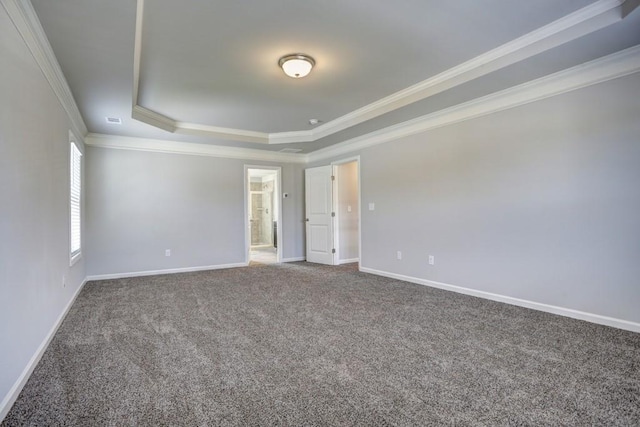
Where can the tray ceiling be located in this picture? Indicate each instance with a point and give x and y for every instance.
(207, 71)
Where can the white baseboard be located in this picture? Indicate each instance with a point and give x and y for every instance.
(568, 312)
(348, 261)
(294, 259)
(167, 271)
(14, 392)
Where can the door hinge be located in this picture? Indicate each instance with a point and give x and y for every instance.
(333, 251)
(333, 178)
(333, 214)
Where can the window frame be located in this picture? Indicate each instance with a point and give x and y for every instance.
(75, 200)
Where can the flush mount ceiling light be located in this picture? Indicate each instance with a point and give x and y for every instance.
(296, 65)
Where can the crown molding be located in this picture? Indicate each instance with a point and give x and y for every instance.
(26, 21)
(607, 68)
(152, 118)
(225, 133)
(189, 148)
(586, 20)
(570, 27)
(137, 51)
(597, 71)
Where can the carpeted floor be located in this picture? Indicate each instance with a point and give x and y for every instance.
(301, 344)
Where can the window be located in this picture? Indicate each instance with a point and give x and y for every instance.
(75, 192)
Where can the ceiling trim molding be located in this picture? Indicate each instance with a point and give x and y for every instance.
(603, 69)
(137, 51)
(610, 67)
(607, 68)
(26, 21)
(570, 27)
(152, 118)
(189, 148)
(224, 133)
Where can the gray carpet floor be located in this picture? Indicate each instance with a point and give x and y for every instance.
(301, 344)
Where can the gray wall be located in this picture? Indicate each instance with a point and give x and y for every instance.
(141, 203)
(539, 202)
(347, 175)
(34, 210)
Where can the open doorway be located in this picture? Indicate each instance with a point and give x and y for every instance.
(263, 215)
(346, 205)
(332, 208)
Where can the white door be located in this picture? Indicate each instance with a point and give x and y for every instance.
(318, 209)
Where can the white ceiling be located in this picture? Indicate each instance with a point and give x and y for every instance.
(215, 63)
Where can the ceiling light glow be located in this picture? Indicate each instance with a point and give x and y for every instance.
(296, 65)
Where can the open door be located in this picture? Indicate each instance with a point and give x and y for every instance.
(263, 214)
(318, 198)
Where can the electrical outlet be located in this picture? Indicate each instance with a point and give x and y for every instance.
(167, 252)
(348, 208)
(372, 206)
(399, 255)
(432, 260)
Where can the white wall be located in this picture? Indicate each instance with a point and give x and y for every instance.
(34, 212)
(347, 210)
(141, 203)
(539, 202)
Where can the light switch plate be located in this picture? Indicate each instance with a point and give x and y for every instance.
(372, 206)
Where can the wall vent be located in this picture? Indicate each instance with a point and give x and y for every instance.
(114, 120)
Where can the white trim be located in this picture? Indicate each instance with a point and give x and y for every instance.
(570, 27)
(277, 194)
(577, 24)
(335, 215)
(562, 311)
(292, 137)
(189, 148)
(26, 21)
(294, 259)
(14, 392)
(137, 52)
(220, 132)
(597, 71)
(600, 70)
(152, 118)
(348, 261)
(166, 271)
(75, 258)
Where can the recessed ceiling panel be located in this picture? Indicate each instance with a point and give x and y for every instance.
(215, 63)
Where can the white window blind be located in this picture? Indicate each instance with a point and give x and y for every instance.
(76, 173)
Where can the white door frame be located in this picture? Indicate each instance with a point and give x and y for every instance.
(336, 241)
(277, 198)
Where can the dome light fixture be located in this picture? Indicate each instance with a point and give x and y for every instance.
(296, 65)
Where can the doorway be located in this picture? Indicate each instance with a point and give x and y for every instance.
(346, 205)
(262, 215)
(332, 207)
